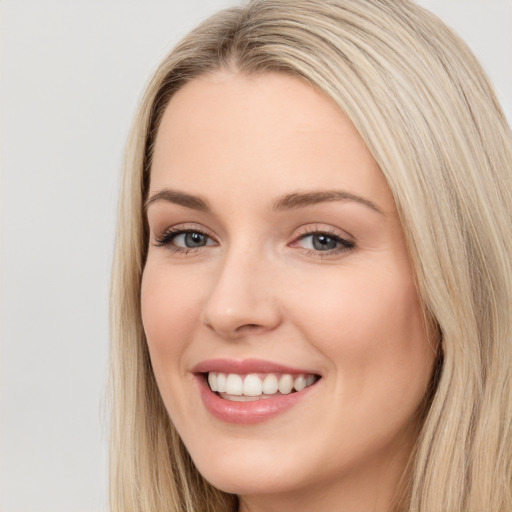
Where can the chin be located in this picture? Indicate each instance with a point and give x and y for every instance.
(252, 481)
(249, 472)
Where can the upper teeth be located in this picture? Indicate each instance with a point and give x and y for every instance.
(254, 385)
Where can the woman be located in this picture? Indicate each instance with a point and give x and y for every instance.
(312, 285)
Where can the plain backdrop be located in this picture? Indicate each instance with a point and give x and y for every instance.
(71, 74)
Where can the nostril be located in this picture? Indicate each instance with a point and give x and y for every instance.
(248, 327)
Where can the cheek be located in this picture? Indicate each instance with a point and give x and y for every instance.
(169, 306)
(371, 328)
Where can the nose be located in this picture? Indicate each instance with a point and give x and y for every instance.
(243, 298)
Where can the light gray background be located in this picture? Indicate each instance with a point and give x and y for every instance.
(71, 73)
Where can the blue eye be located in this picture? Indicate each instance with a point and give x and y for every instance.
(190, 239)
(184, 239)
(324, 242)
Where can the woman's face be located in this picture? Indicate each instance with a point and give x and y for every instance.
(277, 260)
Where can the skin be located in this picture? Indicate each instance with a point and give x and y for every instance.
(260, 289)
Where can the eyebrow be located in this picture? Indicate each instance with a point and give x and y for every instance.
(291, 201)
(180, 198)
(301, 200)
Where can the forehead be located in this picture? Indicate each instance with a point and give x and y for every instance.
(269, 133)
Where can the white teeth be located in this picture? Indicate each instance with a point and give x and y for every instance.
(243, 398)
(270, 384)
(212, 380)
(286, 384)
(253, 385)
(221, 382)
(234, 384)
(299, 383)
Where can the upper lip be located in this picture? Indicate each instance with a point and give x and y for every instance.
(246, 366)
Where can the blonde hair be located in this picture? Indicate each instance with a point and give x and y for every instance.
(428, 114)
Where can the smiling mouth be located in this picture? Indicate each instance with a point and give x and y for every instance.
(257, 386)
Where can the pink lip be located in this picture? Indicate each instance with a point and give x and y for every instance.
(246, 366)
(246, 413)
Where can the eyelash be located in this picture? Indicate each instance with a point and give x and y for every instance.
(166, 239)
(344, 245)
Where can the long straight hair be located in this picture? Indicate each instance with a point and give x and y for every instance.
(429, 116)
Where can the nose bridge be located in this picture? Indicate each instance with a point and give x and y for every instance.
(242, 298)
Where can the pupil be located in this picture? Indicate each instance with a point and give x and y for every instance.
(324, 242)
(194, 240)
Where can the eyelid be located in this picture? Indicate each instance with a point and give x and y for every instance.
(309, 229)
(344, 243)
(165, 238)
(347, 243)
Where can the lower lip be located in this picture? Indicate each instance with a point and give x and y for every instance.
(246, 413)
